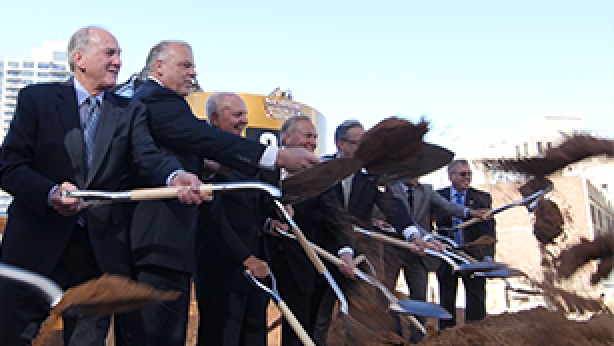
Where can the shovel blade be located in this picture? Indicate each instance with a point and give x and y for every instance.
(500, 273)
(422, 309)
(474, 267)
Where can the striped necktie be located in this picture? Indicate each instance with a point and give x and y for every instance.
(90, 124)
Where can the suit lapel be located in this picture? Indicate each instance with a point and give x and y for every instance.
(109, 116)
(68, 113)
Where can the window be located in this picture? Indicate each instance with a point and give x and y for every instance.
(526, 149)
(549, 145)
(44, 65)
(518, 151)
(28, 64)
(599, 218)
(14, 64)
(58, 67)
(43, 74)
(27, 73)
(593, 216)
(59, 56)
(12, 73)
(540, 150)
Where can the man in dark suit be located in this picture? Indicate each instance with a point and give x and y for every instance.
(162, 234)
(317, 219)
(421, 200)
(68, 136)
(232, 310)
(459, 174)
(359, 194)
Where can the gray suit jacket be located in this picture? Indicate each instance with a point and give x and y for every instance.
(426, 199)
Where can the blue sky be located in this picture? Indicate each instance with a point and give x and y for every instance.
(477, 69)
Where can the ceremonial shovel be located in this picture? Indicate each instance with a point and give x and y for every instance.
(463, 268)
(285, 311)
(53, 294)
(405, 306)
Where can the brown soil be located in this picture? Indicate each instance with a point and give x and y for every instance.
(484, 240)
(549, 222)
(389, 142)
(105, 295)
(533, 327)
(575, 257)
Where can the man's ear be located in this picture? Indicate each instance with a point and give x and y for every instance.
(158, 68)
(77, 57)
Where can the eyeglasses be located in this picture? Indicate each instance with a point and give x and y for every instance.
(351, 141)
(464, 174)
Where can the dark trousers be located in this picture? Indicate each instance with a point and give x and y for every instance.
(232, 318)
(23, 308)
(416, 277)
(475, 296)
(295, 296)
(163, 323)
(322, 305)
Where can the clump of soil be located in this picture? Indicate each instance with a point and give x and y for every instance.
(575, 257)
(549, 222)
(533, 327)
(391, 141)
(106, 295)
(574, 149)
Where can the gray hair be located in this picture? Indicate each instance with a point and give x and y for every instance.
(290, 123)
(217, 102)
(79, 41)
(160, 52)
(341, 132)
(454, 164)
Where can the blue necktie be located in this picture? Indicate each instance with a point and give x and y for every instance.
(89, 129)
(458, 235)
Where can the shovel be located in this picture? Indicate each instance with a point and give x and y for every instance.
(530, 202)
(53, 294)
(405, 306)
(463, 268)
(285, 310)
(94, 198)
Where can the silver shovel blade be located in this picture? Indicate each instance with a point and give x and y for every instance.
(418, 308)
(473, 267)
(500, 273)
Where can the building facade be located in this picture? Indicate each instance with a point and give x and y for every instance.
(48, 63)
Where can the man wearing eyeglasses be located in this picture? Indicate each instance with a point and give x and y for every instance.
(459, 192)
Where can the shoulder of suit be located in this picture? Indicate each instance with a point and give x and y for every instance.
(151, 90)
(479, 192)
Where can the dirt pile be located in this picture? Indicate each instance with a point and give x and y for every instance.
(576, 256)
(533, 327)
(105, 295)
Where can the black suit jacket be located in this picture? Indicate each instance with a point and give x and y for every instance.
(163, 232)
(365, 194)
(474, 199)
(44, 147)
(230, 232)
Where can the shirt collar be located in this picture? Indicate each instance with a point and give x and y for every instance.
(453, 192)
(155, 80)
(82, 94)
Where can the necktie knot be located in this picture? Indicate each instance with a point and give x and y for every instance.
(459, 197)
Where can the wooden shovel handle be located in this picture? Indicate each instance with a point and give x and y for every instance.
(163, 192)
(294, 323)
(474, 220)
(317, 262)
(394, 241)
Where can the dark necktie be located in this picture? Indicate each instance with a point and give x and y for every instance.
(89, 129)
(410, 199)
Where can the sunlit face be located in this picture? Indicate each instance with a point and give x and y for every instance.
(97, 66)
(303, 135)
(347, 147)
(460, 177)
(232, 115)
(177, 72)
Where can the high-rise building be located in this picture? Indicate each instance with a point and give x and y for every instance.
(48, 63)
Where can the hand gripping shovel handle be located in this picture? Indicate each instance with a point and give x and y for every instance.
(285, 310)
(529, 202)
(317, 262)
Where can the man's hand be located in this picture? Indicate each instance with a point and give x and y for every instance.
(349, 265)
(191, 194)
(66, 206)
(480, 213)
(432, 244)
(258, 267)
(296, 159)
